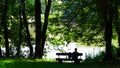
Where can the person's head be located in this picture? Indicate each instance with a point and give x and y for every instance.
(75, 49)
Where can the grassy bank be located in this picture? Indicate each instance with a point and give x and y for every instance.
(47, 64)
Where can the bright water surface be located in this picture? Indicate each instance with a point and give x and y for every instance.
(52, 50)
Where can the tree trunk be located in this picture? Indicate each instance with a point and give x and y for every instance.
(46, 15)
(20, 34)
(38, 29)
(108, 31)
(0, 52)
(108, 35)
(4, 21)
(41, 34)
(27, 30)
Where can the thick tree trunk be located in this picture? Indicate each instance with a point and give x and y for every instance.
(108, 31)
(108, 36)
(4, 21)
(27, 30)
(38, 29)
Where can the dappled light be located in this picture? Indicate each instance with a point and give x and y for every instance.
(59, 33)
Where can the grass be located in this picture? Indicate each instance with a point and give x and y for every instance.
(14, 63)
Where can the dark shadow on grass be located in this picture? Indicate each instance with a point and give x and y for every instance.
(57, 65)
(44, 64)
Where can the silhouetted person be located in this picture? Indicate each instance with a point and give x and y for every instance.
(70, 55)
(75, 56)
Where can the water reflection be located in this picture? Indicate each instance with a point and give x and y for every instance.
(86, 50)
(50, 51)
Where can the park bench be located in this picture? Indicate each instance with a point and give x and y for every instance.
(69, 57)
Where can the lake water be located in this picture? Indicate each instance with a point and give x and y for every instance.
(86, 50)
(52, 50)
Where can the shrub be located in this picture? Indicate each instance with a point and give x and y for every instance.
(96, 58)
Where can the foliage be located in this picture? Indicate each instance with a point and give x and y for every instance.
(100, 56)
(69, 21)
(76, 23)
(96, 58)
(114, 52)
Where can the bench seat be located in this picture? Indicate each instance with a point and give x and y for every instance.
(79, 54)
(66, 59)
(69, 57)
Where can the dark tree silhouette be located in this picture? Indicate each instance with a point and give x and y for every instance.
(20, 31)
(41, 32)
(47, 10)
(4, 22)
(38, 28)
(0, 52)
(27, 30)
(108, 18)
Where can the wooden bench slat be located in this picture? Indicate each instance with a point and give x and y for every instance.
(67, 59)
(79, 54)
(62, 53)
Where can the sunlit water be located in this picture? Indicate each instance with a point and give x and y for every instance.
(86, 50)
(50, 51)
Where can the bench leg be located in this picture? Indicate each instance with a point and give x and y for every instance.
(60, 61)
(76, 62)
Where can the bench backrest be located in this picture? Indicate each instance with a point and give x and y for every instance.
(79, 54)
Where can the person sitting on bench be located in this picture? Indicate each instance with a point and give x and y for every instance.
(75, 56)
